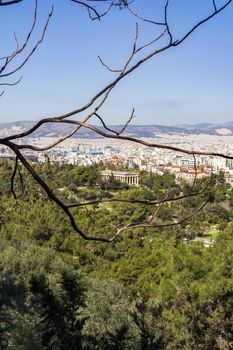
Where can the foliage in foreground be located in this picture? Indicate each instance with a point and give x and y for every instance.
(148, 290)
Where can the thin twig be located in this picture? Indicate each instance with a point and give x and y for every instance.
(13, 177)
(104, 125)
(145, 19)
(215, 7)
(127, 123)
(11, 2)
(108, 68)
(166, 22)
(12, 84)
(13, 71)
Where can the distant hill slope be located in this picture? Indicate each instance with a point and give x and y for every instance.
(150, 131)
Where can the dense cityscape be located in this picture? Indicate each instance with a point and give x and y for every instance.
(115, 154)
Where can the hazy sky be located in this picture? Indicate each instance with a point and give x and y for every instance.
(191, 83)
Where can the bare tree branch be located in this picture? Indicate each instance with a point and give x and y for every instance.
(107, 89)
(148, 225)
(133, 62)
(110, 136)
(9, 59)
(166, 22)
(11, 2)
(17, 169)
(108, 68)
(12, 84)
(13, 177)
(104, 125)
(66, 208)
(206, 19)
(144, 202)
(90, 9)
(215, 7)
(145, 19)
(127, 123)
(20, 49)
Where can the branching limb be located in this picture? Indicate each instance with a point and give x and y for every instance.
(13, 177)
(215, 7)
(89, 8)
(117, 137)
(148, 225)
(107, 67)
(93, 18)
(206, 19)
(10, 2)
(144, 202)
(114, 131)
(22, 187)
(100, 98)
(90, 217)
(18, 50)
(5, 70)
(153, 216)
(127, 123)
(195, 169)
(126, 71)
(166, 22)
(12, 84)
(97, 15)
(104, 125)
(157, 23)
(157, 38)
(51, 194)
(66, 208)
(13, 71)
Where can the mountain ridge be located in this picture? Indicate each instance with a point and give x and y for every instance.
(133, 130)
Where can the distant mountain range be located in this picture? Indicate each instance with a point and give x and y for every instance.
(150, 131)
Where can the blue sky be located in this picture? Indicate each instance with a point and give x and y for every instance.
(191, 83)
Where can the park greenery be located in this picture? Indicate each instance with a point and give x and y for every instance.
(152, 288)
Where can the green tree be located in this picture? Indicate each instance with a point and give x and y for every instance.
(108, 318)
(40, 298)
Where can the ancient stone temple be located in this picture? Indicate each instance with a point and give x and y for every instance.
(132, 179)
